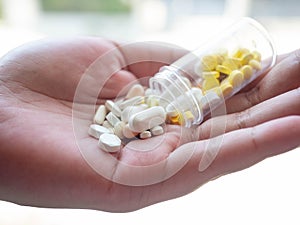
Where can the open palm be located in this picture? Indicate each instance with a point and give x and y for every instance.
(49, 90)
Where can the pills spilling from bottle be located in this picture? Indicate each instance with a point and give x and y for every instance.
(141, 114)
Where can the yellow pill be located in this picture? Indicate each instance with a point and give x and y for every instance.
(223, 69)
(232, 63)
(207, 75)
(247, 71)
(189, 116)
(246, 58)
(209, 62)
(255, 64)
(210, 83)
(178, 120)
(257, 55)
(235, 78)
(240, 52)
(226, 89)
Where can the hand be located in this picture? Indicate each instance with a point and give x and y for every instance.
(42, 163)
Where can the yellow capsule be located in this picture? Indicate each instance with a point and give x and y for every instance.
(257, 55)
(210, 83)
(240, 52)
(247, 71)
(232, 63)
(223, 69)
(207, 75)
(246, 58)
(255, 64)
(209, 62)
(236, 78)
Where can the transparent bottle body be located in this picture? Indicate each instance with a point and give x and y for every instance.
(244, 46)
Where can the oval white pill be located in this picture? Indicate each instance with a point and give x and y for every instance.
(128, 133)
(132, 101)
(135, 90)
(114, 108)
(147, 119)
(131, 110)
(145, 134)
(109, 142)
(96, 130)
(157, 130)
(100, 114)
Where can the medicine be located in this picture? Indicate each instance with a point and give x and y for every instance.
(118, 129)
(112, 119)
(109, 142)
(128, 133)
(131, 110)
(135, 90)
(157, 130)
(96, 130)
(132, 101)
(112, 107)
(145, 134)
(100, 115)
(147, 119)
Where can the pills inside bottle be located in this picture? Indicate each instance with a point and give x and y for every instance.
(189, 89)
(215, 71)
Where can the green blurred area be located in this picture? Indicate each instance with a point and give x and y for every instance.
(107, 6)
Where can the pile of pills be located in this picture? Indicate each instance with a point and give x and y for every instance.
(140, 114)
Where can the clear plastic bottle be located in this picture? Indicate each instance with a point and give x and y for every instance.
(198, 82)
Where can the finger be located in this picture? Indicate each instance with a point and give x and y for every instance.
(282, 78)
(145, 58)
(280, 106)
(239, 150)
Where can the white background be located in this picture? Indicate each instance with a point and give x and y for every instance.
(267, 193)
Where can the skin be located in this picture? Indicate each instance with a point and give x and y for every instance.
(41, 163)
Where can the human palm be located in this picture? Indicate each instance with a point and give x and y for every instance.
(49, 90)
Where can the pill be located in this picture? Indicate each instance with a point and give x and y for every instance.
(223, 69)
(226, 89)
(152, 100)
(235, 78)
(135, 90)
(96, 130)
(247, 71)
(100, 115)
(148, 92)
(145, 134)
(209, 62)
(210, 83)
(188, 116)
(238, 53)
(112, 119)
(232, 63)
(157, 130)
(107, 125)
(132, 101)
(147, 119)
(118, 129)
(109, 142)
(246, 58)
(257, 55)
(178, 119)
(130, 110)
(129, 133)
(255, 64)
(114, 108)
(207, 75)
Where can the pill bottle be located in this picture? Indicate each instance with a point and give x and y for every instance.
(200, 81)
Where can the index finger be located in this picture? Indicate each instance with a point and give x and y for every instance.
(145, 58)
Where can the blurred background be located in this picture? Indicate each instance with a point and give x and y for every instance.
(267, 193)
